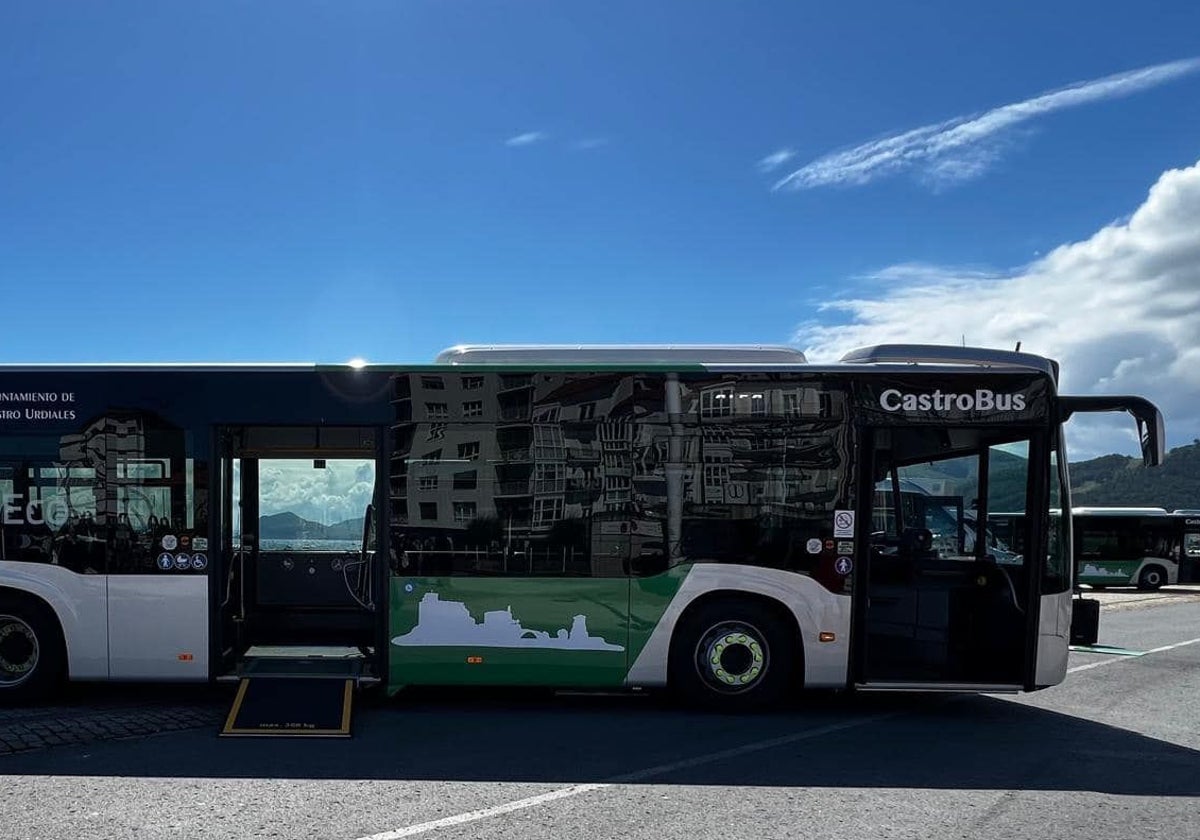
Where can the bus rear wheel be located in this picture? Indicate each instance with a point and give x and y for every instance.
(31, 652)
(1152, 577)
(732, 655)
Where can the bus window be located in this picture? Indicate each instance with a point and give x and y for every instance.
(1056, 577)
(1191, 545)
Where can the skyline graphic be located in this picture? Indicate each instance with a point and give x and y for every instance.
(450, 624)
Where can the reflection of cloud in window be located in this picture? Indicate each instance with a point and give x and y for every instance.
(340, 491)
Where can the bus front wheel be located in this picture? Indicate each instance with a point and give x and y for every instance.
(32, 659)
(732, 655)
(1152, 577)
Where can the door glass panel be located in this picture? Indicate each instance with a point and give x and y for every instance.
(944, 587)
(313, 504)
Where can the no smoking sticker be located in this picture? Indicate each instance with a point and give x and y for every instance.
(843, 524)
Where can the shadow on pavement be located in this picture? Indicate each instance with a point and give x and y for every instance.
(863, 741)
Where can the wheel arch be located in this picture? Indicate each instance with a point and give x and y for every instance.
(39, 604)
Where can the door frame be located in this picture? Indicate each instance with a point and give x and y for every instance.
(232, 441)
(1036, 499)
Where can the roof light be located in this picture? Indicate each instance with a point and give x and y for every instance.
(357, 363)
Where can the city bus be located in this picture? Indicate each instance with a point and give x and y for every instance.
(697, 519)
(1146, 547)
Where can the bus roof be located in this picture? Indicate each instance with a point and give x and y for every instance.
(885, 358)
(1119, 511)
(659, 354)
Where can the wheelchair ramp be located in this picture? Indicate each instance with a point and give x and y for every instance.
(278, 706)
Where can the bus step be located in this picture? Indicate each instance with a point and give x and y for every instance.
(291, 707)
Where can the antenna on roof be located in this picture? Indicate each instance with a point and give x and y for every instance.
(1017, 349)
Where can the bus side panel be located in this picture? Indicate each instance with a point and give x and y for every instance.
(569, 632)
(1054, 632)
(81, 604)
(814, 607)
(158, 627)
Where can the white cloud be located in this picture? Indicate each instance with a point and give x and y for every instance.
(589, 143)
(775, 160)
(340, 491)
(1120, 310)
(964, 147)
(526, 139)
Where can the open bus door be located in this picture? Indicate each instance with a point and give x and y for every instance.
(300, 565)
(944, 605)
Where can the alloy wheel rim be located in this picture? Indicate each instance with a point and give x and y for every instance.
(19, 651)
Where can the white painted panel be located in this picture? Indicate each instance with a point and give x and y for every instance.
(154, 623)
(81, 604)
(816, 610)
(1054, 632)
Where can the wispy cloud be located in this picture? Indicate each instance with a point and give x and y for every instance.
(775, 160)
(964, 147)
(589, 143)
(526, 139)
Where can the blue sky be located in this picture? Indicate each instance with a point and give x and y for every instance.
(319, 181)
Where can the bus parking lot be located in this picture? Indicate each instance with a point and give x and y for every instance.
(1113, 752)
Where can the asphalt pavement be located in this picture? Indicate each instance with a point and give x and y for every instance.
(1112, 753)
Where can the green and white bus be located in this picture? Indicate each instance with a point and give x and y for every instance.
(1146, 547)
(696, 518)
(1143, 547)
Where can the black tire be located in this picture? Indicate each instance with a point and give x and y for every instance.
(733, 655)
(1152, 577)
(32, 653)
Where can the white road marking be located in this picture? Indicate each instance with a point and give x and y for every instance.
(636, 776)
(1119, 660)
(661, 769)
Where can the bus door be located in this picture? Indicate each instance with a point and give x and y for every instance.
(946, 601)
(297, 532)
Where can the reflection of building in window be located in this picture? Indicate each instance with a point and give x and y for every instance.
(546, 414)
(466, 480)
(437, 410)
(548, 443)
(716, 402)
(716, 475)
(429, 511)
(464, 512)
(549, 478)
(471, 383)
(547, 511)
(758, 405)
(468, 451)
(617, 490)
(587, 411)
(433, 383)
(473, 408)
(427, 482)
(437, 431)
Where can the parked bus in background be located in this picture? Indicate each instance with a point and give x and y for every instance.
(697, 518)
(1146, 547)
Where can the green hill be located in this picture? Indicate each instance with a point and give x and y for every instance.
(1118, 480)
(1110, 480)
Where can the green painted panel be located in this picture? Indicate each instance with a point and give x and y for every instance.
(509, 631)
(648, 600)
(1112, 572)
